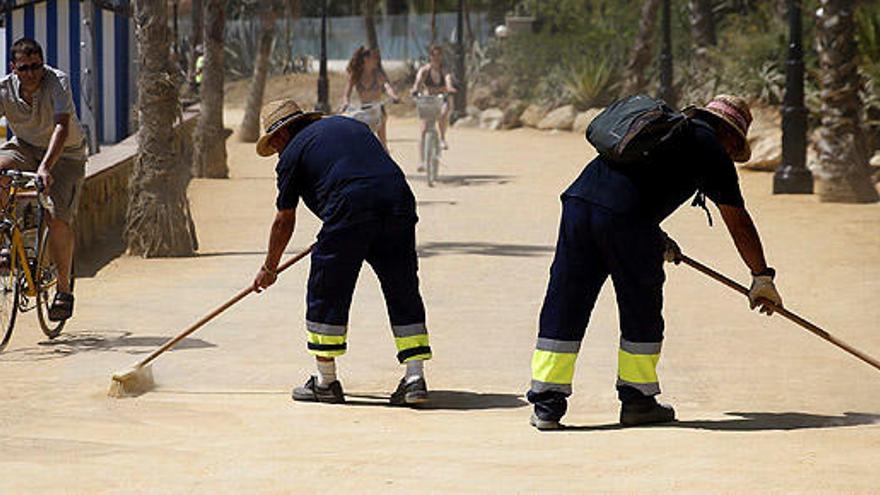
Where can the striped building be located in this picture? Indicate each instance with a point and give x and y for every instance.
(58, 26)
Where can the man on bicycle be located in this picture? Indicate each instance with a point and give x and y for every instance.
(37, 102)
(433, 79)
(345, 177)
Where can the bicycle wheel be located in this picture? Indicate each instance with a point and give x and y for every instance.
(432, 146)
(46, 278)
(9, 290)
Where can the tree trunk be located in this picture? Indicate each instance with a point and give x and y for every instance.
(197, 38)
(250, 124)
(640, 58)
(702, 24)
(433, 22)
(842, 170)
(370, 24)
(209, 158)
(158, 221)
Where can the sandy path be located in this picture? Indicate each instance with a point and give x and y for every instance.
(765, 407)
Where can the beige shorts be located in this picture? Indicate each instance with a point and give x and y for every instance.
(67, 176)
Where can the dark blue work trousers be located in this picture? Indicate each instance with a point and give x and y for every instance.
(595, 242)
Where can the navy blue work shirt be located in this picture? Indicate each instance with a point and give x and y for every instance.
(343, 175)
(693, 161)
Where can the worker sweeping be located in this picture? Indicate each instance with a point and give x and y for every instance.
(344, 176)
(651, 160)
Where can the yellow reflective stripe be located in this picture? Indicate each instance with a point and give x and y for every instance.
(553, 367)
(316, 338)
(637, 368)
(411, 342)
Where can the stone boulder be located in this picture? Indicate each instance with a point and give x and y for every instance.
(471, 110)
(583, 119)
(467, 122)
(492, 119)
(511, 118)
(560, 119)
(765, 138)
(532, 115)
(482, 98)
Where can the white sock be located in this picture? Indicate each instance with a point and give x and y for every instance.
(326, 372)
(415, 370)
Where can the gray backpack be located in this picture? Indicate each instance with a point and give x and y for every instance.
(630, 128)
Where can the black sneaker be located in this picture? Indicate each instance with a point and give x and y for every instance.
(312, 392)
(544, 424)
(62, 307)
(646, 411)
(410, 394)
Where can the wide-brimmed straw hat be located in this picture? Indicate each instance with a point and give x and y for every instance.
(275, 116)
(734, 112)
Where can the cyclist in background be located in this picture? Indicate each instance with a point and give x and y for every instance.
(433, 79)
(365, 74)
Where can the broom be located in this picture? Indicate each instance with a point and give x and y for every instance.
(812, 328)
(139, 379)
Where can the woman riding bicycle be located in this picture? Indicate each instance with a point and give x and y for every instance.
(435, 80)
(365, 74)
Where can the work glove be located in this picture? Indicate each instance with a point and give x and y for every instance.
(671, 251)
(763, 290)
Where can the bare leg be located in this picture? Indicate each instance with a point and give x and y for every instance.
(382, 132)
(444, 122)
(424, 130)
(61, 243)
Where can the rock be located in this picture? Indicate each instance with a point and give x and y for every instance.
(492, 119)
(875, 160)
(468, 122)
(511, 118)
(583, 119)
(532, 115)
(481, 97)
(471, 111)
(560, 119)
(765, 138)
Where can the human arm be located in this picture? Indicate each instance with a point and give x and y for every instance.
(450, 86)
(745, 236)
(346, 95)
(279, 235)
(420, 75)
(389, 90)
(56, 147)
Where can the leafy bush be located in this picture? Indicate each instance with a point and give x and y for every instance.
(592, 84)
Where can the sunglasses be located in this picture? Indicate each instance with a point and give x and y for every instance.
(28, 68)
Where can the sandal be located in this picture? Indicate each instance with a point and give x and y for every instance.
(62, 307)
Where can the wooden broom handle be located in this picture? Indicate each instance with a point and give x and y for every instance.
(210, 316)
(814, 329)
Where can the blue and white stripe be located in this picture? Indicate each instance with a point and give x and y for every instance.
(57, 26)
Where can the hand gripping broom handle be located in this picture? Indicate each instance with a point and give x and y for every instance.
(815, 330)
(238, 297)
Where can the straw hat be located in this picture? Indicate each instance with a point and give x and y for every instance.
(735, 113)
(277, 115)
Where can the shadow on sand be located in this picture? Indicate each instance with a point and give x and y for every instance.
(68, 344)
(453, 400)
(464, 180)
(430, 249)
(756, 421)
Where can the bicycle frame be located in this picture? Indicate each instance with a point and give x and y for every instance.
(18, 253)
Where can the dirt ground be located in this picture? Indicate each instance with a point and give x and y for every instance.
(765, 407)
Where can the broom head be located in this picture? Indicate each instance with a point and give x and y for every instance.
(131, 383)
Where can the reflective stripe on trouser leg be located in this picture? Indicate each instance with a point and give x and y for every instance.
(412, 342)
(637, 366)
(553, 365)
(325, 340)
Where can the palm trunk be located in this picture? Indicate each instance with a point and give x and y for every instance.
(702, 24)
(842, 170)
(197, 31)
(370, 24)
(158, 221)
(250, 124)
(640, 58)
(433, 21)
(209, 158)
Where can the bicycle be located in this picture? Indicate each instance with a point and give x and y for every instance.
(31, 278)
(429, 108)
(368, 113)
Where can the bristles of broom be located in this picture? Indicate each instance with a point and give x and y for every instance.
(132, 383)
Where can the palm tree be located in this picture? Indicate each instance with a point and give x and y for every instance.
(209, 156)
(158, 221)
(702, 24)
(370, 23)
(640, 57)
(842, 170)
(250, 124)
(198, 29)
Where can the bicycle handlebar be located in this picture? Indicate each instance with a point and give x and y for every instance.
(17, 176)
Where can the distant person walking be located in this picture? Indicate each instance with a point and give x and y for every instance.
(434, 79)
(344, 176)
(610, 226)
(38, 104)
(365, 74)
